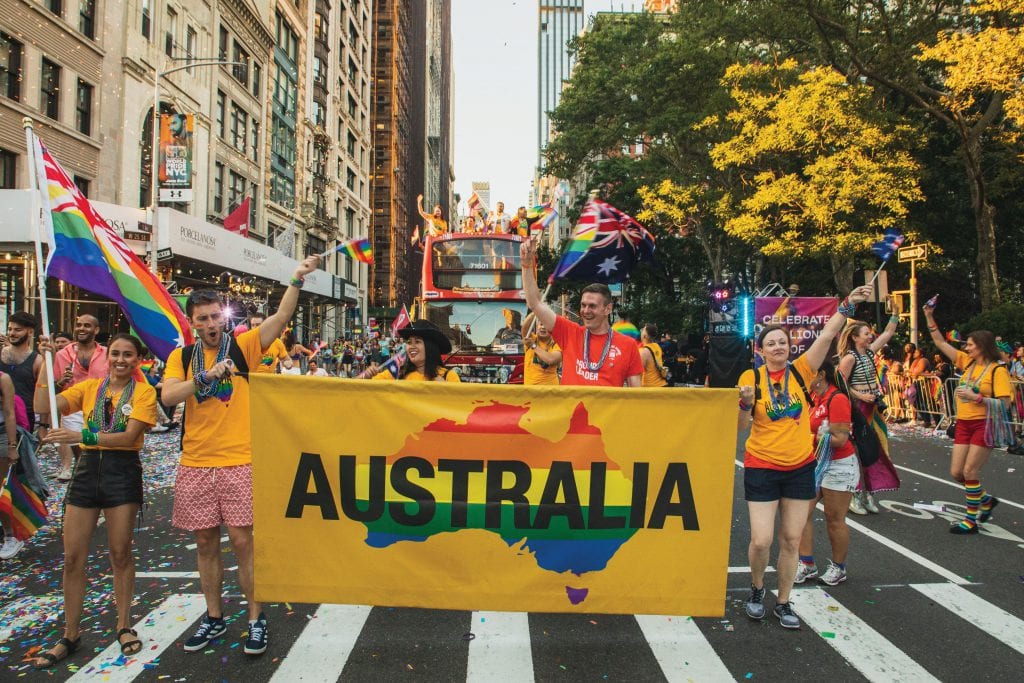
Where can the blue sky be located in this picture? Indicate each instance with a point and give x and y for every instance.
(495, 86)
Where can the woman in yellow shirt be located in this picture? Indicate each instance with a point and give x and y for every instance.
(435, 222)
(651, 356)
(424, 344)
(107, 477)
(542, 356)
(778, 474)
(982, 398)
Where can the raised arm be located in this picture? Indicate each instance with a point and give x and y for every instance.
(819, 349)
(419, 207)
(890, 328)
(528, 260)
(273, 326)
(947, 349)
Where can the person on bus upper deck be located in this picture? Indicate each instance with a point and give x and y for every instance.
(435, 223)
(498, 221)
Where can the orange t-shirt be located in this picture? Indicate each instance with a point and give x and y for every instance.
(623, 359)
(218, 432)
(780, 437)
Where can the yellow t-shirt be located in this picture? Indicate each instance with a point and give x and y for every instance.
(533, 372)
(981, 376)
(82, 396)
(652, 376)
(417, 376)
(272, 356)
(781, 439)
(217, 432)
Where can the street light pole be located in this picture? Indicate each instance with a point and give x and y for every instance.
(154, 172)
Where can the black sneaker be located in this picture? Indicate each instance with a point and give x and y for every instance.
(208, 630)
(983, 515)
(787, 617)
(755, 605)
(256, 641)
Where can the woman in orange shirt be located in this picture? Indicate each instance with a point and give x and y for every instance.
(778, 475)
(982, 398)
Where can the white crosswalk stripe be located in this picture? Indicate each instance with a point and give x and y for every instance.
(333, 629)
(158, 630)
(682, 651)
(863, 647)
(983, 614)
(500, 650)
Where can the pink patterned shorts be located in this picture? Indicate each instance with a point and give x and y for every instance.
(208, 497)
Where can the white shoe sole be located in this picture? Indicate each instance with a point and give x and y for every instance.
(832, 583)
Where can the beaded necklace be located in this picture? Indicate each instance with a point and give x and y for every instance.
(595, 367)
(117, 420)
(210, 387)
(969, 380)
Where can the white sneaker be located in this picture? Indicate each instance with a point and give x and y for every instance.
(804, 572)
(64, 474)
(855, 505)
(869, 503)
(833, 576)
(158, 429)
(10, 548)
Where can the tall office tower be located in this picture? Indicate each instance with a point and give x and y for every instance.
(483, 190)
(559, 22)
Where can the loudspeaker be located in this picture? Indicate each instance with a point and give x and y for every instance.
(728, 358)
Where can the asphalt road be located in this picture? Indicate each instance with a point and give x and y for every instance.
(920, 604)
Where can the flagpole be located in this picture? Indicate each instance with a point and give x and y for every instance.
(41, 270)
(877, 273)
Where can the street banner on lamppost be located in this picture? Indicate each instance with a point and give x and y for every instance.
(493, 497)
(175, 170)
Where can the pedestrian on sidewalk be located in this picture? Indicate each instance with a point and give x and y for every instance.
(778, 475)
(836, 474)
(107, 477)
(982, 397)
(858, 373)
(213, 487)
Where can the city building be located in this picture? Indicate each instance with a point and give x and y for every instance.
(661, 6)
(264, 128)
(483, 191)
(559, 21)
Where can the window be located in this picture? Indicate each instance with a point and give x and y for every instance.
(240, 72)
(145, 19)
(315, 245)
(55, 6)
(239, 126)
(10, 67)
(87, 18)
(190, 46)
(255, 140)
(83, 108)
(49, 89)
(283, 124)
(350, 220)
(236, 190)
(222, 44)
(257, 78)
(352, 106)
(83, 185)
(221, 100)
(350, 179)
(218, 187)
(351, 146)
(170, 31)
(8, 170)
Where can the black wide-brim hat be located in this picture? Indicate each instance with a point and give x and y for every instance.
(428, 331)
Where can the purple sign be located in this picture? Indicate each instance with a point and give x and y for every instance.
(803, 317)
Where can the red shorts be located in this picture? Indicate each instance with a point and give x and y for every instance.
(208, 497)
(970, 432)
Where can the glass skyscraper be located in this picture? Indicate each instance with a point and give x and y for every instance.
(559, 21)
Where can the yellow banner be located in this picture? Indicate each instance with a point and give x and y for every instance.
(485, 497)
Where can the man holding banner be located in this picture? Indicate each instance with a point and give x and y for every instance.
(214, 481)
(592, 353)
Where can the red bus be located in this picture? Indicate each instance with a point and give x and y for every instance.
(472, 288)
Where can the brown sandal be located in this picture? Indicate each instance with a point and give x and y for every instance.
(49, 658)
(132, 647)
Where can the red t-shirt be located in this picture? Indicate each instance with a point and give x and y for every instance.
(838, 413)
(623, 357)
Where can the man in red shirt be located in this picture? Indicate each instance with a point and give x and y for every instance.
(593, 353)
(81, 360)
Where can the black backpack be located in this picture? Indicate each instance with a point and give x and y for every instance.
(796, 375)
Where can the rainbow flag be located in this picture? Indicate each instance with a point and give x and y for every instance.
(936, 389)
(579, 242)
(540, 218)
(605, 246)
(146, 365)
(953, 336)
(23, 507)
(627, 328)
(86, 252)
(358, 248)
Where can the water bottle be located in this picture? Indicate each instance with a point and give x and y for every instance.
(823, 430)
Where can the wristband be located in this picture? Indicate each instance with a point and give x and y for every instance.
(894, 319)
(979, 399)
(297, 282)
(89, 438)
(744, 407)
(846, 308)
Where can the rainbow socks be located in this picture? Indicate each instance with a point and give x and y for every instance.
(975, 495)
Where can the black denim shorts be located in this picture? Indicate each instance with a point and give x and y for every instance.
(763, 485)
(105, 479)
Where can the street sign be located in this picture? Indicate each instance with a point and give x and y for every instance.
(164, 255)
(915, 252)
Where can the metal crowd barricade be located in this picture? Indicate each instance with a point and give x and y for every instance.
(918, 399)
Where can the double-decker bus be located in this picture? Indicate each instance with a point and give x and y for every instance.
(472, 289)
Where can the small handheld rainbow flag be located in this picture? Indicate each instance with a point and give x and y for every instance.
(936, 389)
(23, 507)
(540, 217)
(953, 336)
(627, 328)
(358, 248)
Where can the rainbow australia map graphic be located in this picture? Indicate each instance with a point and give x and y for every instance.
(563, 502)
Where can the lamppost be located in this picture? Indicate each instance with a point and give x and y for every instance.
(154, 173)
